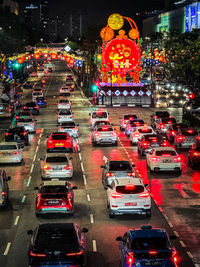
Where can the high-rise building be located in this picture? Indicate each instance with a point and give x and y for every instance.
(11, 5)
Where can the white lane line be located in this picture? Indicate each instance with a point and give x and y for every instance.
(170, 224)
(94, 245)
(29, 180)
(23, 199)
(34, 158)
(82, 168)
(39, 142)
(32, 168)
(88, 198)
(36, 149)
(190, 255)
(7, 249)
(160, 209)
(80, 156)
(84, 179)
(91, 218)
(182, 244)
(16, 220)
(196, 265)
(176, 234)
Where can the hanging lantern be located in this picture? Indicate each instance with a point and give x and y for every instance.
(133, 34)
(107, 34)
(54, 56)
(36, 55)
(20, 60)
(45, 54)
(115, 21)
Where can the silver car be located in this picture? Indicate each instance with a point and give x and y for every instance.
(65, 115)
(56, 166)
(65, 90)
(11, 152)
(96, 124)
(29, 124)
(104, 135)
(69, 127)
(64, 104)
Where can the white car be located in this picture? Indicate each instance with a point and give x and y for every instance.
(128, 196)
(64, 104)
(96, 124)
(65, 90)
(56, 166)
(164, 159)
(162, 125)
(138, 132)
(36, 94)
(126, 117)
(99, 115)
(104, 135)
(29, 124)
(69, 127)
(65, 115)
(10, 152)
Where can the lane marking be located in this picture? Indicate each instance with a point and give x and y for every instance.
(176, 234)
(160, 209)
(16, 220)
(39, 142)
(23, 199)
(36, 149)
(7, 249)
(29, 180)
(91, 218)
(182, 244)
(80, 156)
(190, 255)
(94, 245)
(34, 158)
(84, 179)
(32, 168)
(170, 224)
(82, 168)
(88, 198)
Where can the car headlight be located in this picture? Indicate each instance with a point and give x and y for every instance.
(171, 101)
(188, 108)
(181, 101)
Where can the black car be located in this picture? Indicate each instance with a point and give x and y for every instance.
(194, 155)
(4, 189)
(55, 244)
(28, 85)
(173, 128)
(158, 115)
(32, 107)
(17, 134)
(20, 114)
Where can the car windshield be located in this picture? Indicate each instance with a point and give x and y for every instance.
(129, 116)
(25, 120)
(8, 147)
(58, 137)
(57, 159)
(105, 129)
(16, 129)
(189, 132)
(120, 166)
(150, 243)
(130, 189)
(145, 130)
(166, 153)
(162, 114)
(168, 121)
(99, 115)
(53, 189)
(65, 112)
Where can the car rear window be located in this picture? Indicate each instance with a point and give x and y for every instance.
(58, 137)
(130, 116)
(137, 122)
(102, 122)
(64, 101)
(105, 129)
(189, 132)
(162, 114)
(150, 243)
(53, 189)
(168, 121)
(25, 120)
(40, 98)
(56, 159)
(166, 152)
(8, 147)
(65, 112)
(53, 196)
(99, 115)
(120, 166)
(30, 105)
(145, 130)
(129, 189)
(151, 138)
(179, 125)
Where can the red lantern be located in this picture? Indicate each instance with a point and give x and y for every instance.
(45, 55)
(20, 60)
(54, 56)
(36, 55)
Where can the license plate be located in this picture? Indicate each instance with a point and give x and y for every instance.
(131, 204)
(53, 202)
(167, 161)
(58, 144)
(6, 154)
(57, 169)
(152, 263)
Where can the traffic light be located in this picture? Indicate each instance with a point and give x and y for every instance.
(94, 88)
(16, 65)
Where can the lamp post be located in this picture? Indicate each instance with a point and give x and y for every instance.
(111, 86)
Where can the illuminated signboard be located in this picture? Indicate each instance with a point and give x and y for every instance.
(192, 17)
(31, 7)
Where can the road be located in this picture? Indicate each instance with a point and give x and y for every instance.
(175, 200)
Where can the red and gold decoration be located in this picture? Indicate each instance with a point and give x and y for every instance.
(120, 52)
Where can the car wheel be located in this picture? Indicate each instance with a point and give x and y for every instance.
(120, 128)
(94, 143)
(111, 214)
(116, 143)
(178, 173)
(148, 213)
(37, 214)
(22, 162)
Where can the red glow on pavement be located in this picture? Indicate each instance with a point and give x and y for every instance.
(156, 188)
(196, 182)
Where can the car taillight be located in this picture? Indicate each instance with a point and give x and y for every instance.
(110, 174)
(162, 125)
(175, 258)
(78, 253)
(129, 127)
(96, 134)
(32, 123)
(15, 152)
(131, 174)
(155, 159)
(35, 107)
(153, 252)
(116, 195)
(46, 167)
(136, 135)
(10, 109)
(58, 116)
(25, 107)
(155, 117)
(145, 144)
(75, 128)
(169, 122)
(68, 167)
(130, 259)
(181, 138)
(17, 117)
(3, 194)
(165, 143)
(145, 194)
(37, 254)
(24, 133)
(190, 131)
(198, 137)
(177, 159)
(71, 116)
(196, 154)
(166, 155)
(124, 121)
(173, 132)
(7, 134)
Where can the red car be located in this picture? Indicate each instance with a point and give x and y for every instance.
(60, 142)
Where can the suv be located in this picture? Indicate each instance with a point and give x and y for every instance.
(126, 117)
(147, 246)
(4, 189)
(185, 138)
(131, 124)
(172, 130)
(158, 115)
(17, 134)
(99, 115)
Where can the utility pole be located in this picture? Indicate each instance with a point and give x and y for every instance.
(111, 87)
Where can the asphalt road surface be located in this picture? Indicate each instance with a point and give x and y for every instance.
(175, 200)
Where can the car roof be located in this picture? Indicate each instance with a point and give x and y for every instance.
(68, 226)
(126, 180)
(54, 183)
(144, 126)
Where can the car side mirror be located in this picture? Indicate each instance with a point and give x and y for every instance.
(84, 230)
(102, 166)
(35, 120)
(77, 124)
(30, 232)
(36, 188)
(172, 237)
(133, 165)
(146, 185)
(119, 238)
(74, 187)
(70, 158)
(8, 178)
(89, 113)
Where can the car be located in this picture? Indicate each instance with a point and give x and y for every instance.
(96, 124)
(116, 169)
(185, 138)
(164, 159)
(50, 69)
(17, 134)
(158, 115)
(28, 123)
(7, 110)
(56, 165)
(34, 74)
(37, 90)
(41, 101)
(138, 132)
(32, 107)
(104, 135)
(24, 113)
(172, 130)
(70, 85)
(176, 101)
(126, 117)
(163, 124)
(69, 127)
(194, 155)
(147, 246)
(99, 115)
(69, 77)
(59, 142)
(55, 197)
(162, 102)
(192, 107)
(11, 152)
(64, 104)
(149, 141)
(65, 90)
(36, 94)
(4, 188)
(57, 244)
(65, 115)
(131, 124)
(128, 196)
(28, 85)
